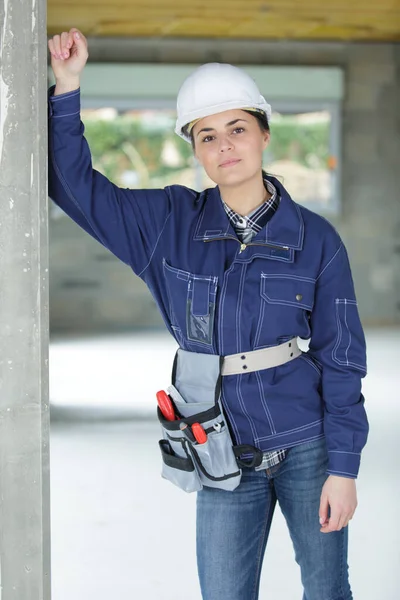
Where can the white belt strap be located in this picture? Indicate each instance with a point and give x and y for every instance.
(256, 360)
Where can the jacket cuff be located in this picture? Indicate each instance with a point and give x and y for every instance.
(64, 105)
(344, 464)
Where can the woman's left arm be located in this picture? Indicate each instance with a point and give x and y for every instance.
(338, 345)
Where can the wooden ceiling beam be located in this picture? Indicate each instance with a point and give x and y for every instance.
(230, 19)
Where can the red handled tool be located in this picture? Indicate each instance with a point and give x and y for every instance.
(199, 433)
(166, 406)
(185, 428)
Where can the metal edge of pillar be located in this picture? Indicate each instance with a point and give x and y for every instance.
(24, 335)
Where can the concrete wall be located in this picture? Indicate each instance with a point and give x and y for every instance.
(91, 291)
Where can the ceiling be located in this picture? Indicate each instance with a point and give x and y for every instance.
(366, 20)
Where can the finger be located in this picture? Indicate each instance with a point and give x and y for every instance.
(340, 524)
(51, 48)
(345, 524)
(348, 515)
(57, 45)
(333, 523)
(327, 528)
(323, 510)
(78, 36)
(64, 40)
(70, 40)
(344, 521)
(326, 525)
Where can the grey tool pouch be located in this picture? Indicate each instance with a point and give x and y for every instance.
(195, 391)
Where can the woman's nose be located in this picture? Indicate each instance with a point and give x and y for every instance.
(225, 143)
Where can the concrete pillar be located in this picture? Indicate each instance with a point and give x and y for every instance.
(24, 405)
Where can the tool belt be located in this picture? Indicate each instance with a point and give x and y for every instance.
(190, 461)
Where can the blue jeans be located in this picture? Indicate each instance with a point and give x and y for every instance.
(233, 528)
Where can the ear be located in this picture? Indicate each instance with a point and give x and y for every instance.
(266, 139)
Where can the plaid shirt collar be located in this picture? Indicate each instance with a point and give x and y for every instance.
(258, 217)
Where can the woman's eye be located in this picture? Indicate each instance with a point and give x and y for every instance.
(208, 138)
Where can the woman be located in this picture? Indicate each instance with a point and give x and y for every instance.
(240, 271)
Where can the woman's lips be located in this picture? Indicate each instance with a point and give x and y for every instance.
(230, 163)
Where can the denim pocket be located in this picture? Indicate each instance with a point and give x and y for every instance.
(192, 303)
(288, 290)
(349, 347)
(287, 301)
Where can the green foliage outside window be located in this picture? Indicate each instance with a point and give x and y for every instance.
(129, 143)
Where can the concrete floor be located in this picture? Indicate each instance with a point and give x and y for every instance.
(116, 525)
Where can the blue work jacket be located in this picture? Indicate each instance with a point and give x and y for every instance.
(219, 296)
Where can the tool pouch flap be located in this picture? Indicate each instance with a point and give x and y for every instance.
(197, 377)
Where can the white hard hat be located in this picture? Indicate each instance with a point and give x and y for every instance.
(213, 88)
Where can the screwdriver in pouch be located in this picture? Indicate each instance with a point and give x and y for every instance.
(199, 433)
(185, 428)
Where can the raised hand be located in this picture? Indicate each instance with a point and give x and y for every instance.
(69, 54)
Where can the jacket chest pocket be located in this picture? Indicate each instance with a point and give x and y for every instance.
(285, 308)
(192, 303)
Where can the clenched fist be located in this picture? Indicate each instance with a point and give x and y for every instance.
(69, 54)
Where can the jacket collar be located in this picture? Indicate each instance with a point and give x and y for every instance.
(285, 228)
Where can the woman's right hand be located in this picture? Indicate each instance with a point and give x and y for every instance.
(69, 54)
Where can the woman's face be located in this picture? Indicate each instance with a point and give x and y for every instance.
(229, 145)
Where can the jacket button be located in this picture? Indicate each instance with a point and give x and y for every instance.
(299, 297)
